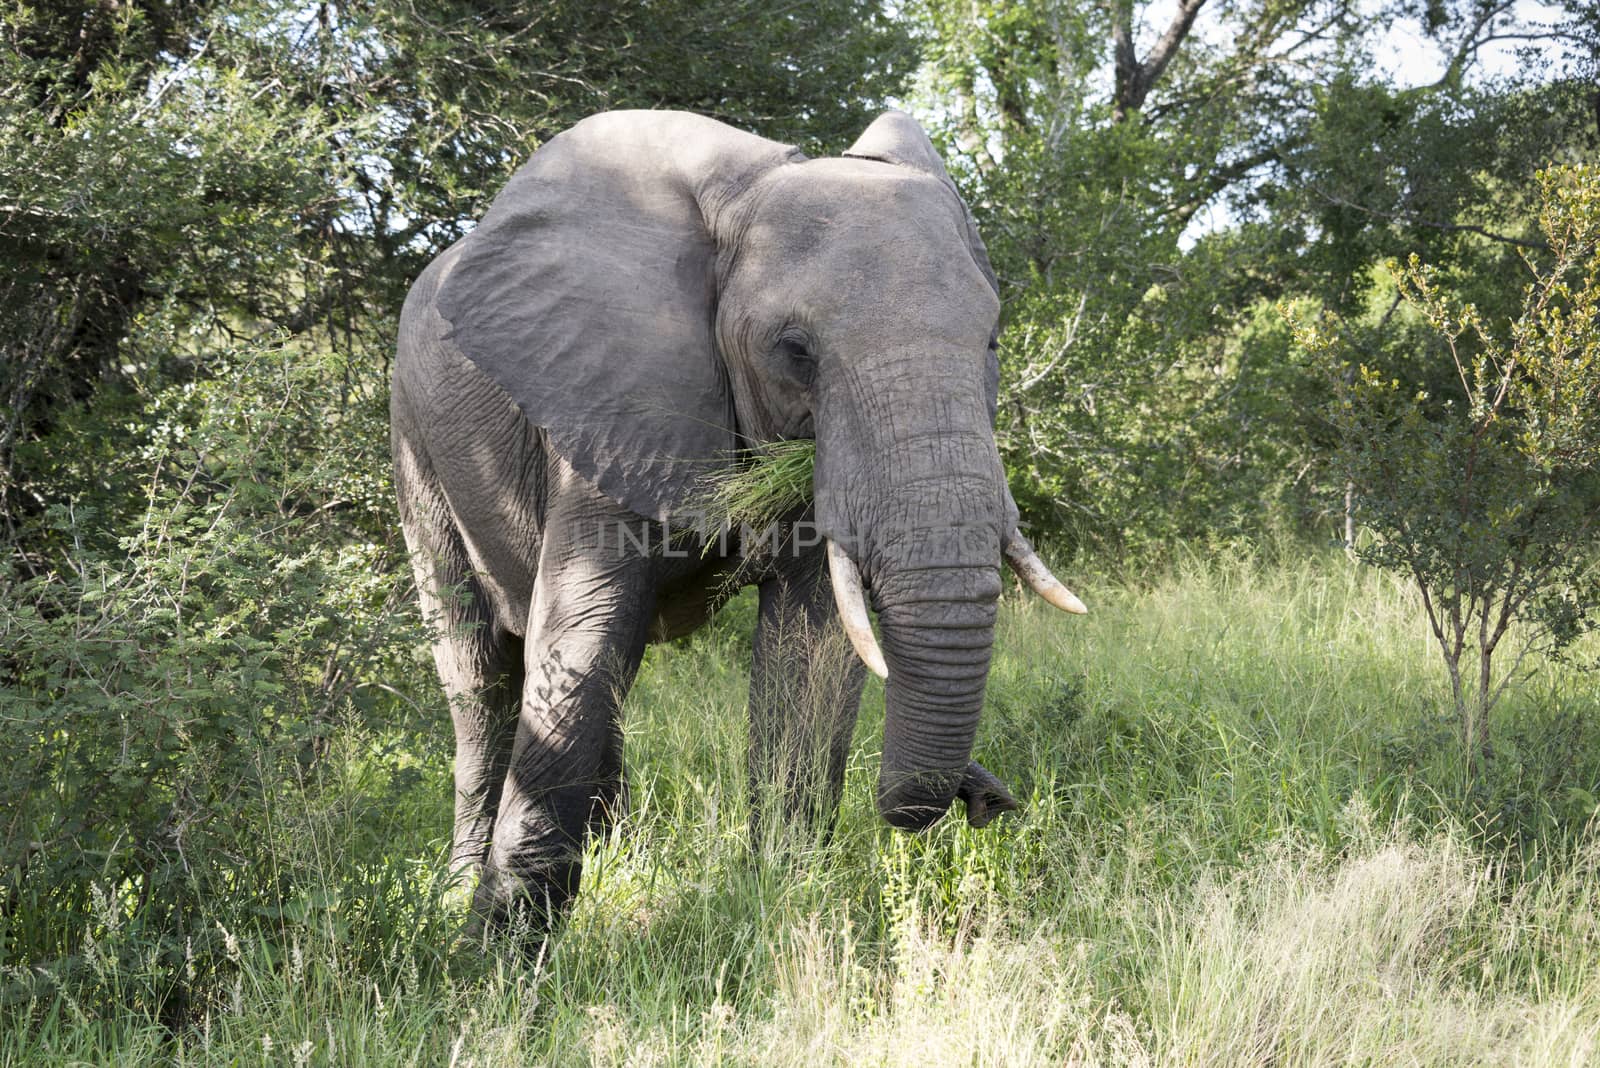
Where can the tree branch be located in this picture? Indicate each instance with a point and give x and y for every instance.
(1412, 220)
(1222, 177)
(1135, 79)
(1156, 62)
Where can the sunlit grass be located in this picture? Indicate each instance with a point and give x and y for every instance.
(1245, 840)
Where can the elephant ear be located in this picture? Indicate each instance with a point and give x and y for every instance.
(895, 137)
(588, 294)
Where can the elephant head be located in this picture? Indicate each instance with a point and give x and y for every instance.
(658, 291)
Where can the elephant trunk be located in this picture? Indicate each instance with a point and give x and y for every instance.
(985, 795)
(938, 630)
(911, 494)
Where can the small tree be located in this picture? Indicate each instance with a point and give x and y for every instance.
(1489, 496)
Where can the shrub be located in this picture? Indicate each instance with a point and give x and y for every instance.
(1487, 498)
(174, 680)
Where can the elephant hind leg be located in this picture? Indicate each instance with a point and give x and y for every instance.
(479, 662)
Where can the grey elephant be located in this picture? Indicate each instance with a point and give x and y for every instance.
(650, 296)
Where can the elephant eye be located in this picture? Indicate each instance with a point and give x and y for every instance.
(793, 348)
(795, 358)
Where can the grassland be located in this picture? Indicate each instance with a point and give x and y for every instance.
(1246, 840)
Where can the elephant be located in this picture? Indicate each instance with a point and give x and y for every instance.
(650, 297)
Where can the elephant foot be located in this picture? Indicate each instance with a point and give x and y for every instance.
(466, 871)
(985, 795)
(524, 907)
(466, 863)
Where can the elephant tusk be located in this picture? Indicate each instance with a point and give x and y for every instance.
(1026, 563)
(851, 600)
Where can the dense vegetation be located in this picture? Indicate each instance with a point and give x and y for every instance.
(224, 799)
(1243, 841)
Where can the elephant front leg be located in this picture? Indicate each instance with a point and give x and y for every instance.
(805, 691)
(586, 636)
(482, 673)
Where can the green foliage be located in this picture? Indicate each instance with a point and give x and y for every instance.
(168, 691)
(1487, 496)
(1083, 190)
(1146, 207)
(132, 192)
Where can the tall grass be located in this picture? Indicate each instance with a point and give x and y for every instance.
(1244, 841)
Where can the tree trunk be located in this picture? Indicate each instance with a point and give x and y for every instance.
(1476, 737)
(1135, 77)
(1350, 518)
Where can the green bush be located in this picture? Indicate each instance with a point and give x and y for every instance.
(164, 694)
(1486, 491)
